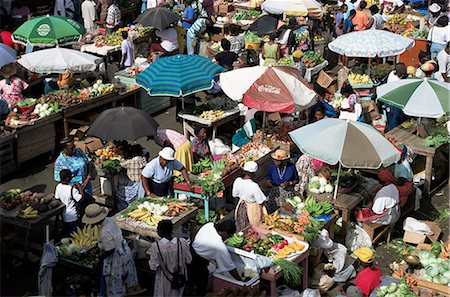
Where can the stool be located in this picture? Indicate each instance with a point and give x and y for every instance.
(370, 228)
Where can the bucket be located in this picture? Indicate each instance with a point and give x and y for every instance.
(105, 186)
(252, 45)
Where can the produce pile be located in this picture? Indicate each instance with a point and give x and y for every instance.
(440, 136)
(397, 24)
(436, 264)
(151, 211)
(32, 113)
(311, 59)
(250, 36)
(212, 115)
(85, 238)
(317, 209)
(359, 79)
(414, 33)
(319, 185)
(97, 89)
(269, 245)
(108, 159)
(107, 40)
(76, 247)
(64, 98)
(251, 151)
(395, 290)
(210, 176)
(302, 224)
(380, 71)
(29, 203)
(246, 15)
(134, 31)
(286, 61)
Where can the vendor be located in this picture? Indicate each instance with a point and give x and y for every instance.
(368, 277)
(271, 50)
(249, 210)
(391, 7)
(200, 146)
(75, 160)
(195, 33)
(11, 86)
(168, 44)
(179, 142)
(395, 115)
(208, 245)
(351, 105)
(245, 134)
(443, 59)
(119, 276)
(157, 174)
(66, 80)
(281, 178)
(302, 36)
(328, 109)
(127, 51)
(438, 36)
(287, 39)
(236, 40)
(227, 58)
(305, 170)
(51, 84)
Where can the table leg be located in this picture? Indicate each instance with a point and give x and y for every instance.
(192, 225)
(305, 274)
(26, 245)
(345, 219)
(428, 175)
(206, 205)
(185, 130)
(214, 132)
(66, 127)
(55, 227)
(273, 288)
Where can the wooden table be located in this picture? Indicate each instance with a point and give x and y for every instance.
(146, 230)
(274, 273)
(28, 224)
(413, 141)
(345, 203)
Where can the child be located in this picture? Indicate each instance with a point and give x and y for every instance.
(69, 195)
(227, 58)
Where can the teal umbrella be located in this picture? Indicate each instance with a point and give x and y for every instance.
(179, 75)
(49, 31)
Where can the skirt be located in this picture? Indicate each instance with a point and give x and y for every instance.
(184, 155)
(248, 214)
(161, 190)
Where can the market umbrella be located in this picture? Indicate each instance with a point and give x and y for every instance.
(7, 55)
(123, 123)
(265, 24)
(351, 144)
(425, 97)
(49, 31)
(59, 60)
(370, 44)
(159, 18)
(292, 7)
(271, 89)
(178, 75)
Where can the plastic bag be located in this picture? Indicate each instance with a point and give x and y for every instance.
(285, 291)
(413, 225)
(310, 293)
(218, 147)
(357, 238)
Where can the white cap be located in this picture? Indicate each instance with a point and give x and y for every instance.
(167, 154)
(435, 7)
(251, 167)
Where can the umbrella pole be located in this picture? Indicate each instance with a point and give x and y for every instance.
(336, 186)
(182, 102)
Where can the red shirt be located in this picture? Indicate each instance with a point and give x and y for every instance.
(368, 279)
(7, 38)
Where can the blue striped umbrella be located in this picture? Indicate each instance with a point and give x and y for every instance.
(178, 75)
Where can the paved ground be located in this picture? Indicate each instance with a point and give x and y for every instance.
(18, 280)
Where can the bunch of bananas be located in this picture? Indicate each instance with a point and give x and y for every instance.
(86, 237)
(275, 220)
(28, 213)
(317, 208)
(236, 240)
(358, 79)
(143, 215)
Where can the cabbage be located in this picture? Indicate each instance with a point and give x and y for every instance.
(382, 291)
(446, 274)
(297, 199)
(328, 188)
(314, 179)
(432, 270)
(391, 288)
(427, 277)
(322, 181)
(314, 191)
(322, 189)
(314, 185)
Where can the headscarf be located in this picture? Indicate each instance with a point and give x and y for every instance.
(386, 177)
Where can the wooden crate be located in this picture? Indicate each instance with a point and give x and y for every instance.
(8, 163)
(34, 142)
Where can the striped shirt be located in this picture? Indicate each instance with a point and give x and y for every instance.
(113, 16)
(199, 26)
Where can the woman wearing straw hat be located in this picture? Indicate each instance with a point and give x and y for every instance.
(368, 278)
(249, 210)
(281, 178)
(119, 275)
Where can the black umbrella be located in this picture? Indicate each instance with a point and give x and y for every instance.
(159, 18)
(264, 25)
(123, 123)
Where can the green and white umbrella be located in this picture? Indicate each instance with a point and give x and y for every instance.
(49, 31)
(425, 97)
(351, 144)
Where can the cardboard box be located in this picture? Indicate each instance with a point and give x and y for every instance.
(79, 133)
(88, 145)
(325, 79)
(333, 88)
(416, 237)
(225, 8)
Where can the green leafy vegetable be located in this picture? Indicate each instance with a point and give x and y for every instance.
(26, 102)
(251, 36)
(292, 272)
(438, 138)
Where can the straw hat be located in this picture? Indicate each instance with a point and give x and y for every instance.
(364, 254)
(94, 213)
(280, 155)
(167, 154)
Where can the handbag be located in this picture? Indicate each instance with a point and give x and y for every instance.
(178, 279)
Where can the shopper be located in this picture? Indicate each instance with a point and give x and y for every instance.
(169, 256)
(89, 15)
(127, 51)
(227, 58)
(360, 19)
(188, 15)
(113, 17)
(70, 195)
(438, 36)
(200, 145)
(443, 59)
(271, 50)
(368, 278)
(195, 34)
(376, 21)
(178, 142)
(340, 20)
(64, 8)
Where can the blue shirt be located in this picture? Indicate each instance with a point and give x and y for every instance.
(339, 17)
(281, 175)
(348, 26)
(154, 171)
(188, 13)
(4, 108)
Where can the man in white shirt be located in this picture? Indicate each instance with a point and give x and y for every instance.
(208, 245)
(443, 59)
(168, 44)
(88, 12)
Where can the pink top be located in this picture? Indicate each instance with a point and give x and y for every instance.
(12, 92)
(175, 138)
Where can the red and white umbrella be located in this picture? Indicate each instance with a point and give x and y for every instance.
(271, 89)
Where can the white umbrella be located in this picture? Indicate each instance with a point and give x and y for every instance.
(7, 55)
(351, 144)
(292, 7)
(59, 60)
(370, 44)
(271, 89)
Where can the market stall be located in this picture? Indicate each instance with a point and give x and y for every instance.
(144, 219)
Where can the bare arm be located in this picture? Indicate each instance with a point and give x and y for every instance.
(145, 186)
